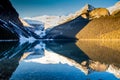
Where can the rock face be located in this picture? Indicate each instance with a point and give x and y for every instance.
(6, 33)
(89, 12)
(8, 13)
(98, 12)
(10, 24)
(67, 30)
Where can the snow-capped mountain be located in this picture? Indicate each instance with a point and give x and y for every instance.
(48, 21)
(114, 8)
(65, 22)
(51, 21)
(87, 8)
(37, 27)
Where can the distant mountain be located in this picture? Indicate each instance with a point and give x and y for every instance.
(37, 27)
(34, 23)
(51, 21)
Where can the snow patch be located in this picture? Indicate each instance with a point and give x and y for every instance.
(114, 8)
(24, 39)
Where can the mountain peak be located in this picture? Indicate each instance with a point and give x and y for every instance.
(85, 9)
(88, 7)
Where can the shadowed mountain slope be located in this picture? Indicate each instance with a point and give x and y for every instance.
(67, 30)
(11, 28)
(8, 12)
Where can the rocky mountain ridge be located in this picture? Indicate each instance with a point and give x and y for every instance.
(8, 12)
(11, 27)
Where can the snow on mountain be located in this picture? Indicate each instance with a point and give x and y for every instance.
(51, 21)
(24, 23)
(37, 27)
(114, 8)
(32, 22)
(85, 9)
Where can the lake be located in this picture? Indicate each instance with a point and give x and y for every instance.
(60, 60)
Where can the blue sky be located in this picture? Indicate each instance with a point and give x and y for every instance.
(30, 8)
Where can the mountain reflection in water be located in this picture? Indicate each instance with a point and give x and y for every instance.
(60, 60)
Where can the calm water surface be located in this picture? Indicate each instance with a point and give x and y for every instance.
(60, 60)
